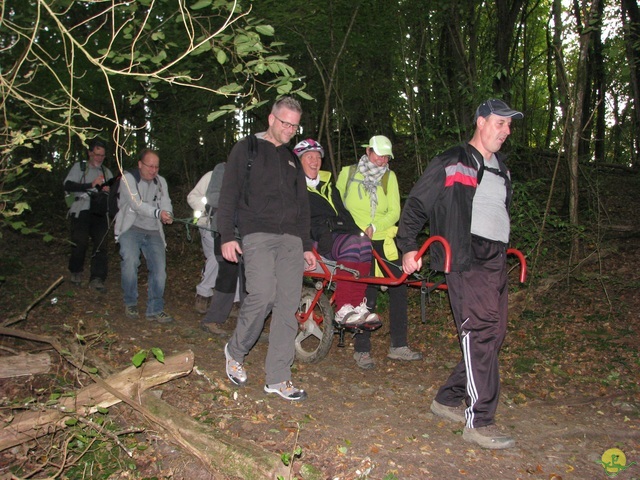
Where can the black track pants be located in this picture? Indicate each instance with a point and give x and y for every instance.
(479, 305)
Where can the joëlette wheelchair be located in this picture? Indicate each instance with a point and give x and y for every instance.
(315, 313)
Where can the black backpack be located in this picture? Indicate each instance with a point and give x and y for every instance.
(114, 190)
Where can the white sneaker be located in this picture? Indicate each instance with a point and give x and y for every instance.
(347, 315)
(365, 314)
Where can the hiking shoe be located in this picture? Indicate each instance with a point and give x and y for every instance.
(287, 391)
(97, 284)
(162, 317)
(488, 437)
(364, 360)
(202, 304)
(455, 414)
(131, 311)
(235, 370)
(403, 353)
(213, 328)
(76, 278)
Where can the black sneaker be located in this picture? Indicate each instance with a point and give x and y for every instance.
(162, 317)
(97, 284)
(131, 311)
(287, 391)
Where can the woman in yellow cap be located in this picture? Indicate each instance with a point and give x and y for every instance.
(370, 192)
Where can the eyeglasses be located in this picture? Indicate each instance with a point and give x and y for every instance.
(151, 167)
(288, 125)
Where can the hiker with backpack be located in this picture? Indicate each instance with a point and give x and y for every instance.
(370, 192)
(87, 190)
(264, 195)
(221, 284)
(204, 200)
(144, 207)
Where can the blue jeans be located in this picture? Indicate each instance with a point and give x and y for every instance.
(132, 242)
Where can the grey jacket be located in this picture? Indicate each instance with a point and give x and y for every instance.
(131, 204)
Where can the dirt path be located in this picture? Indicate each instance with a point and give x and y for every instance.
(570, 381)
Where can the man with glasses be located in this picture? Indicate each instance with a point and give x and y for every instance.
(86, 179)
(264, 194)
(144, 207)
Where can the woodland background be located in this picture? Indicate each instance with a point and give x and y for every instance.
(189, 78)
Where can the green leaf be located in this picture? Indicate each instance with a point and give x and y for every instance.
(103, 410)
(265, 30)
(158, 353)
(201, 4)
(215, 115)
(304, 95)
(231, 88)
(92, 370)
(160, 57)
(221, 56)
(285, 88)
(139, 357)
(70, 422)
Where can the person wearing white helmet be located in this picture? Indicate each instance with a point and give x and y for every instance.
(370, 192)
(337, 237)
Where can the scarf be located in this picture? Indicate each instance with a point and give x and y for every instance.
(372, 177)
(312, 182)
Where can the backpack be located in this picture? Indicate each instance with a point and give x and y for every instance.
(114, 190)
(213, 194)
(352, 174)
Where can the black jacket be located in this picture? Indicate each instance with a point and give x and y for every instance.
(443, 197)
(328, 214)
(277, 200)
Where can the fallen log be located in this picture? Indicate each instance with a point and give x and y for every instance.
(227, 455)
(131, 383)
(24, 364)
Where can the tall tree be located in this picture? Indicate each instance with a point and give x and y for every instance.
(630, 14)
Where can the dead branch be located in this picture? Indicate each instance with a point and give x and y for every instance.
(24, 364)
(126, 385)
(23, 315)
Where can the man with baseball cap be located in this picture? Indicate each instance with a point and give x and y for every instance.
(464, 195)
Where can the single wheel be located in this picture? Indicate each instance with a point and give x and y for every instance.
(315, 336)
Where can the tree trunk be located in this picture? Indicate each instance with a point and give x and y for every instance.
(631, 25)
(231, 456)
(586, 32)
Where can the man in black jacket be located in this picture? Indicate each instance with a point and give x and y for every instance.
(264, 193)
(464, 195)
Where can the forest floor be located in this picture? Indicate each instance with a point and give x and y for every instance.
(569, 366)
